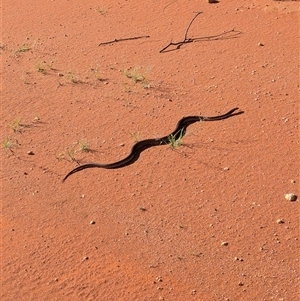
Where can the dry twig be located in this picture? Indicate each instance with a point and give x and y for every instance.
(123, 39)
(186, 40)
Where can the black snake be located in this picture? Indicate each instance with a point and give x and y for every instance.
(140, 146)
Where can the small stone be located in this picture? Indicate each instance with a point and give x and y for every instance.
(261, 44)
(224, 243)
(291, 197)
(92, 222)
(30, 153)
(226, 168)
(238, 259)
(280, 221)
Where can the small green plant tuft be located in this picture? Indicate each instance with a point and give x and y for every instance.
(9, 143)
(17, 126)
(136, 136)
(41, 67)
(74, 79)
(23, 48)
(71, 155)
(137, 76)
(68, 155)
(174, 141)
(84, 146)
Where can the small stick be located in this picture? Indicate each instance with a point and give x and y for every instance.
(123, 39)
(186, 32)
(207, 38)
(185, 40)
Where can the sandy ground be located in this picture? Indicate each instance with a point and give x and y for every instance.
(205, 221)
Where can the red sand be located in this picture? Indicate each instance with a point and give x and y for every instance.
(154, 230)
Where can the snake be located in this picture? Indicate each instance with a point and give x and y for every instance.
(142, 145)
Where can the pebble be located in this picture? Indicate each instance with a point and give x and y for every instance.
(280, 221)
(238, 259)
(291, 197)
(31, 153)
(224, 243)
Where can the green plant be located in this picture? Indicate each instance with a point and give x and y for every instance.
(71, 154)
(74, 78)
(9, 143)
(175, 141)
(17, 126)
(134, 74)
(23, 48)
(68, 154)
(84, 146)
(127, 88)
(137, 76)
(41, 67)
(136, 136)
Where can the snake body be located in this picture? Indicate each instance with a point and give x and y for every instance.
(140, 146)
